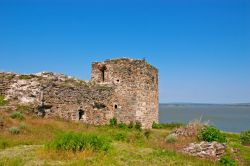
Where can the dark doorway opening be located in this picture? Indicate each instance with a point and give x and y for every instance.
(103, 69)
(81, 114)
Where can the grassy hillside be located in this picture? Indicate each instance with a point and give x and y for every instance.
(26, 139)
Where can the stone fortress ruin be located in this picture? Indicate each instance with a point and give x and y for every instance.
(126, 89)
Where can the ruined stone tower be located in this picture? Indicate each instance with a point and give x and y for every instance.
(126, 89)
(136, 89)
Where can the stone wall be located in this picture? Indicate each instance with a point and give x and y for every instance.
(136, 84)
(123, 88)
(59, 95)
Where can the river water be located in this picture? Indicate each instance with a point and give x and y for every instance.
(232, 118)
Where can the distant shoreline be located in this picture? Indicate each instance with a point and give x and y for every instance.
(205, 104)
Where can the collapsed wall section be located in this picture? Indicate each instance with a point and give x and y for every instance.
(59, 95)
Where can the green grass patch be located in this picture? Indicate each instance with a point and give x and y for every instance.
(17, 115)
(245, 137)
(14, 130)
(3, 144)
(17, 161)
(79, 142)
(227, 161)
(166, 125)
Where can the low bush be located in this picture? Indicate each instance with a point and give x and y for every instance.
(138, 125)
(113, 122)
(131, 125)
(227, 161)
(122, 125)
(23, 125)
(166, 125)
(245, 137)
(26, 77)
(171, 125)
(24, 108)
(79, 142)
(171, 138)
(156, 125)
(3, 101)
(14, 130)
(120, 137)
(211, 133)
(147, 133)
(3, 144)
(17, 115)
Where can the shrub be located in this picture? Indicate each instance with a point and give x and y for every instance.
(227, 161)
(120, 137)
(171, 138)
(1, 121)
(26, 77)
(14, 130)
(17, 115)
(156, 125)
(138, 125)
(131, 125)
(245, 137)
(166, 125)
(24, 109)
(122, 125)
(147, 133)
(3, 101)
(79, 142)
(3, 144)
(171, 125)
(210, 133)
(113, 122)
(23, 125)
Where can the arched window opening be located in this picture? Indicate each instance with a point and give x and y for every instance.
(103, 69)
(81, 114)
(116, 106)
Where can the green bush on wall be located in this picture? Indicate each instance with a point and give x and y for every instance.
(113, 122)
(3, 101)
(138, 125)
(211, 133)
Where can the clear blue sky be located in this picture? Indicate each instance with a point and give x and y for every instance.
(201, 47)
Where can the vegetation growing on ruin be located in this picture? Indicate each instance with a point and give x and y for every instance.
(59, 142)
(26, 77)
(3, 101)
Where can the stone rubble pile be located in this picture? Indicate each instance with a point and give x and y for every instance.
(205, 149)
(191, 129)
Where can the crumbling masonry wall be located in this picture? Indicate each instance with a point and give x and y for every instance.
(136, 84)
(123, 88)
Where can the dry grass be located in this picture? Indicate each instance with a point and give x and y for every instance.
(135, 149)
(46, 154)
